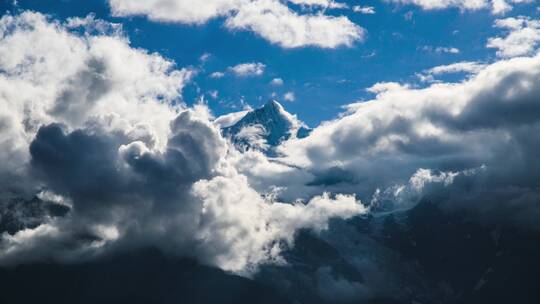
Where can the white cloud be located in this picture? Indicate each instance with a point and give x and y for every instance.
(451, 50)
(405, 196)
(183, 11)
(289, 96)
(496, 6)
(464, 66)
(423, 176)
(205, 57)
(469, 67)
(248, 69)
(214, 94)
(382, 87)
(254, 137)
(217, 75)
(441, 49)
(91, 24)
(230, 119)
(72, 78)
(264, 228)
(442, 4)
(276, 82)
(522, 38)
(368, 10)
(280, 25)
(270, 19)
(500, 7)
(320, 3)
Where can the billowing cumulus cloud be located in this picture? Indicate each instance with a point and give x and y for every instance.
(98, 129)
(273, 20)
(245, 230)
(477, 131)
(280, 25)
(523, 36)
(49, 75)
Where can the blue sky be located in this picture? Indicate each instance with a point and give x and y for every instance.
(401, 40)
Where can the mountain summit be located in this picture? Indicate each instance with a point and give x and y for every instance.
(265, 128)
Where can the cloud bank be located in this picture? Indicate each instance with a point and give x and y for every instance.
(485, 122)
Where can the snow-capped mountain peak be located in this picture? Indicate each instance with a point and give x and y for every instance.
(265, 127)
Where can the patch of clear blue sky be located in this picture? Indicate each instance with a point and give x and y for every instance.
(322, 79)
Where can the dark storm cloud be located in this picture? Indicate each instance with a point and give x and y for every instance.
(78, 164)
(129, 191)
(85, 164)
